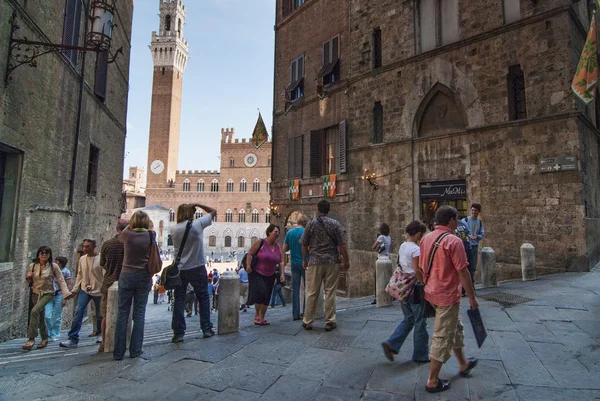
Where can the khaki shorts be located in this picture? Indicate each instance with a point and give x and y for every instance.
(448, 332)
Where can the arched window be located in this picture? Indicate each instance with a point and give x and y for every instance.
(179, 27)
(200, 186)
(269, 162)
(253, 240)
(171, 215)
(268, 216)
(256, 185)
(242, 216)
(212, 240)
(231, 163)
(255, 216)
(269, 185)
(168, 23)
(228, 216)
(198, 214)
(241, 242)
(214, 186)
(227, 241)
(186, 186)
(230, 185)
(243, 185)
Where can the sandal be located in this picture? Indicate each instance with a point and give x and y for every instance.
(264, 323)
(28, 345)
(43, 344)
(306, 326)
(442, 385)
(257, 322)
(472, 363)
(330, 326)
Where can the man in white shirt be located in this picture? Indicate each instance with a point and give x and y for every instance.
(88, 284)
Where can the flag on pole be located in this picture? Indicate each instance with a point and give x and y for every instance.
(329, 186)
(294, 189)
(260, 135)
(586, 75)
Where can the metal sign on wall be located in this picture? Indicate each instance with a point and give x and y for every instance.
(456, 189)
(559, 163)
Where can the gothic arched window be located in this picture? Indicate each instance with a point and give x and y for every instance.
(268, 216)
(228, 216)
(198, 214)
(227, 241)
(230, 185)
(171, 215)
(242, 216)
(255, 216)
(269, 185)
(200, 186)
(214, 186)
(212, 240)
(243, 185)
(168, 23)
(186, 186)
(241, 242)
(256, 185)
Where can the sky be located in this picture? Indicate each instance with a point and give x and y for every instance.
(229, 76)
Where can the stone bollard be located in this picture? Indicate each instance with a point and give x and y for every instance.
(488, 267)
(528, 262)
(229, 303)
(112, 311)
(383, 270)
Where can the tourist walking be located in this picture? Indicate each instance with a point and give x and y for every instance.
(412, 308)
(292, 243)
(476, 234)
(262, 278)
(135, 282)
(324, 238)
(192, 266)
(87, 284)
(41, 276)
(111, 260)
(382, 245)
(54, 308)
(243, 288)
(443, 265)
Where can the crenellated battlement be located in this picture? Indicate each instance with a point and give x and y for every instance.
(197, 172)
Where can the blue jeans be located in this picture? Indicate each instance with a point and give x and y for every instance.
(54, 316)
(413, 317)
(133, 286)
(82, 302)
(473, 261)
(199, 280)
(277, 294)
(298, 274)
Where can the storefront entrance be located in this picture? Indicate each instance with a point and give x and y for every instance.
(436, 194)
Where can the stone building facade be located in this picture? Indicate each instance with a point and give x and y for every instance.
(134, 191)
(239, 190)
(39, 204)
(436, 103)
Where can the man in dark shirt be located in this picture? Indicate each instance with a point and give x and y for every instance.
(111, 260)
(324, 238)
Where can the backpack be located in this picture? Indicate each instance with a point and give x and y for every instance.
(244, 263)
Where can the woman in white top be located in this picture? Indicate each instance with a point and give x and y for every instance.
(382, 245)
(413, 309)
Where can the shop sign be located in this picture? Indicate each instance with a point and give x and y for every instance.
(444, 190)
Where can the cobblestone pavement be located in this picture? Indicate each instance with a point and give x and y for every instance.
(543, 344)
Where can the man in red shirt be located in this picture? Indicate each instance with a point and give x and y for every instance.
(448, 273)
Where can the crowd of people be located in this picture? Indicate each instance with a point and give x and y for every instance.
(440, 264)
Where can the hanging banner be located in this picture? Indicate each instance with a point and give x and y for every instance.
(329, 188)
(294, 189)
(259, 135)
(586, 75)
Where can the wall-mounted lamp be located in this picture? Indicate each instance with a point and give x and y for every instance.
(370, 178)
(274, 210)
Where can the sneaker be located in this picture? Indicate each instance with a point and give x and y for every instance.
(208, 333)
(99, 340)
(177, 338)
(374, 302)
(68, 344)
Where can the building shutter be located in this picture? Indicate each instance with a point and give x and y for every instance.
(342, 159)
(316, 153)
(293, 69)
(335, 46)
(298, 149)
(326, 59)
(301, 67)
(71, 28)
(291, 158)
(101, 77)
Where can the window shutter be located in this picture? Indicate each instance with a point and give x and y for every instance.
(342, 160)
(335, 46)
(326, 58)
(298, 149)
(316, 153)
(293, 72)
(291, 158)
(101, 77)
(301, 67)
(71, 28)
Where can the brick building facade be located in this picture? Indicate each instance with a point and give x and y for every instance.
(38, 116)
(239, 190)
(418, 103)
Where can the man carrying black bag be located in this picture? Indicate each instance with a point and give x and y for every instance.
(188, 235)
(444, 265)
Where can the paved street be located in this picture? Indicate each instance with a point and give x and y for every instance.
(545, 348)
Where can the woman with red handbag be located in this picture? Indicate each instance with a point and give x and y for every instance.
(412, 306)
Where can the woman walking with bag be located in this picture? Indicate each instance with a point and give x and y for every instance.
(40, 276)
(412, 307)
(266, 256)
(188, 237)
(54, 308)
(135, 283)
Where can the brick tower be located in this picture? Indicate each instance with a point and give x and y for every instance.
(170, 56)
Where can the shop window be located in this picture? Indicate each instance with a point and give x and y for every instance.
(376, 48)
(200, 186)
(92, 178)
(243, 185)
(517, 104)
(295, 90)
(186, 186)
(330, 70)
(242, 216)
(228, 216)
(72, 29)
(438, 23)
(512, 10)
(10, 175)
(212, 240)
(295, 153)
(230, 186)
(227, 241)
(255, 216)
(377, 123)
(328, 151)
(241, 242)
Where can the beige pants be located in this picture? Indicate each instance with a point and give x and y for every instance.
(243, 293)
(315, 275)
(448, 332)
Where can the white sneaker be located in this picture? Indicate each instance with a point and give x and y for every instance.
(99, 340)
(68, 344)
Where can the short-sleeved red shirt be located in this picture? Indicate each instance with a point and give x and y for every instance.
(443, 286)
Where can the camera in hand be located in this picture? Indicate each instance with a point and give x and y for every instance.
(88, 288)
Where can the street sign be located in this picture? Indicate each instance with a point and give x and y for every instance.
(558, 163)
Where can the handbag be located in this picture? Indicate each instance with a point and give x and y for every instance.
(170, 277)
(154, 261)
(428, 309)
(401, 285)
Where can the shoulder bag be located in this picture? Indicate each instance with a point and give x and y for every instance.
(170, 277)
(401, 284)
(154, 261)
(428, 309)
(254, 257)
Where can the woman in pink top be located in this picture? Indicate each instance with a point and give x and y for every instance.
(262, 278)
